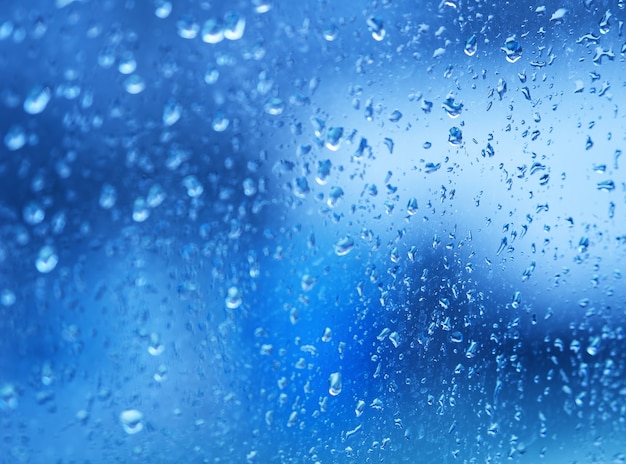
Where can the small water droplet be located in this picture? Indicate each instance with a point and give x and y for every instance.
(455, 137)
(344, 245)
(131, 420)
(234, 25)
(212, 31)
(156, 196)
(334, 383)
(141, 212)
(187, 27)
(33, 213)
(274, 106)
(512, 49)
(7, 297)
(37, 100)
(193, 186)
(375, 26)
(233, 298)
(134, 84)
(162, 9)
(15, 138)
(333, 138)
(47, 259)
(471, 46)
(108, 196)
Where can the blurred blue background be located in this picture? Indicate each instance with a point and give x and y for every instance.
(316, 231)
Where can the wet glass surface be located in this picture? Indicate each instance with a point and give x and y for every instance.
(312, 232)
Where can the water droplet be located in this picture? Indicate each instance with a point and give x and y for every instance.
(558, 14)
(249, 187)
(161, 373)
(134, 84)
(431, 167)
(605, 25)
(452, 108)
(37, 100)
(33, 213)
(411, 207)
(47, 259)
(471, 46)
(517, 300)
(606, 185)
(394, 338)
(323, 172)
(131, 421)
(334, 383)
(456, 337)
(7, 298)
(234, 25)
(293, 419)
(156, 196)
(127, 64)
(274, 106)
(15, 138)
(307, 282)
(233, 298)
(141, 212)
(471, 350)
(327, 335)
(395, 116)
(375, 26)
(155, 348)
(220, 122)
(330, 32)
(455, 137)
(360, 407)
(193, 186)
(8, 397)
(187, 27)
(301, 187)
(212, 31)
(512, 49)
(333, 138)
(171, 112)
(334, 196)
(344, 245)
(108, 196)
(162, 9)
(211, 75)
